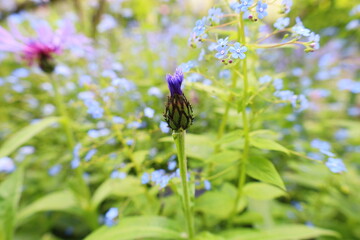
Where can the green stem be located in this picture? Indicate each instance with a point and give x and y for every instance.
(245, 156)
(231, 95)
(179, 139)
(61, 108)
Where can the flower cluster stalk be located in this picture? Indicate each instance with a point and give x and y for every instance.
(61, 108)
(179, 139)
(245, 155)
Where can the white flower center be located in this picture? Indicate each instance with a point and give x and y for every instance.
(238, 50)
(222, 52)
(245, 2)
(261, 9)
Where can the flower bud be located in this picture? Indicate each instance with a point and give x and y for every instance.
(178, 112)
(46, 63)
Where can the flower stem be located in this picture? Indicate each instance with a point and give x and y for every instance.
(61, 108)
(245, 155)
(179, 139)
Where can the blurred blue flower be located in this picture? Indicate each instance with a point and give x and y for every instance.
(207, 185)
(75, 163)
(278, 84)
(154, 91)
(117, 174)
(130, 142)
(171, 165)
(243, 6)
(221, 52)
(354, 111)
(299, 29)
(164, 127)
(261, 10)
(54, 170)
(118, 120)
(186, 67)
(20, 73)
(149, 112)
(214, 15)
(323, 146)
(238, 51)
(134, 124)
(90, 154)
(353, 24)
(264, 79)
(287, 5)
(282, 23)
(285, 95)
(123, 84)
(316, 156)
(63, 70)
(145, 178)
(314, 39)
(341, 134)
(199, 27)
(335, 165)
(26, 150)
(7, 165)
(297, 205)
(302, 103)
(110, 217)
(225, 74)
(222, 42)
(107, 23)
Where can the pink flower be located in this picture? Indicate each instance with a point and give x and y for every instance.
(41, 47)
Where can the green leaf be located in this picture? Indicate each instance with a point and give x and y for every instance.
(231, 137)
(224, 157)
(211, 90)
(25, 134)
(208, 236)
(130, 186)
(139, 156)
(197, 146)
(269, 144)
(248, 217)
(133, 228)
(262, 191)
(284, 232)
(10, 192)
(218, 204)
(262, 169)
(56, 201)
(264, 133)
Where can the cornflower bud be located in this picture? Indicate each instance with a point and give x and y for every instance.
(178, 112)
(46, 62)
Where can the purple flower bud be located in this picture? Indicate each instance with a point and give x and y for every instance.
(178, 113)
(175, 81)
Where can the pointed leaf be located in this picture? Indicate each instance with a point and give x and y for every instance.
(264, 170)
(25, 134)
(10, 192)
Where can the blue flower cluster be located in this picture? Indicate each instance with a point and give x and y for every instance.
(299, 102)
(282, 23)
(7, 165)
(223, 49)
(349, 85)
(76, 156)
(299, 31)
(335, 165)
(111, 217)
(242, 6)
(94, 107)
(199, 31)
(159, 177)
(245, 5)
